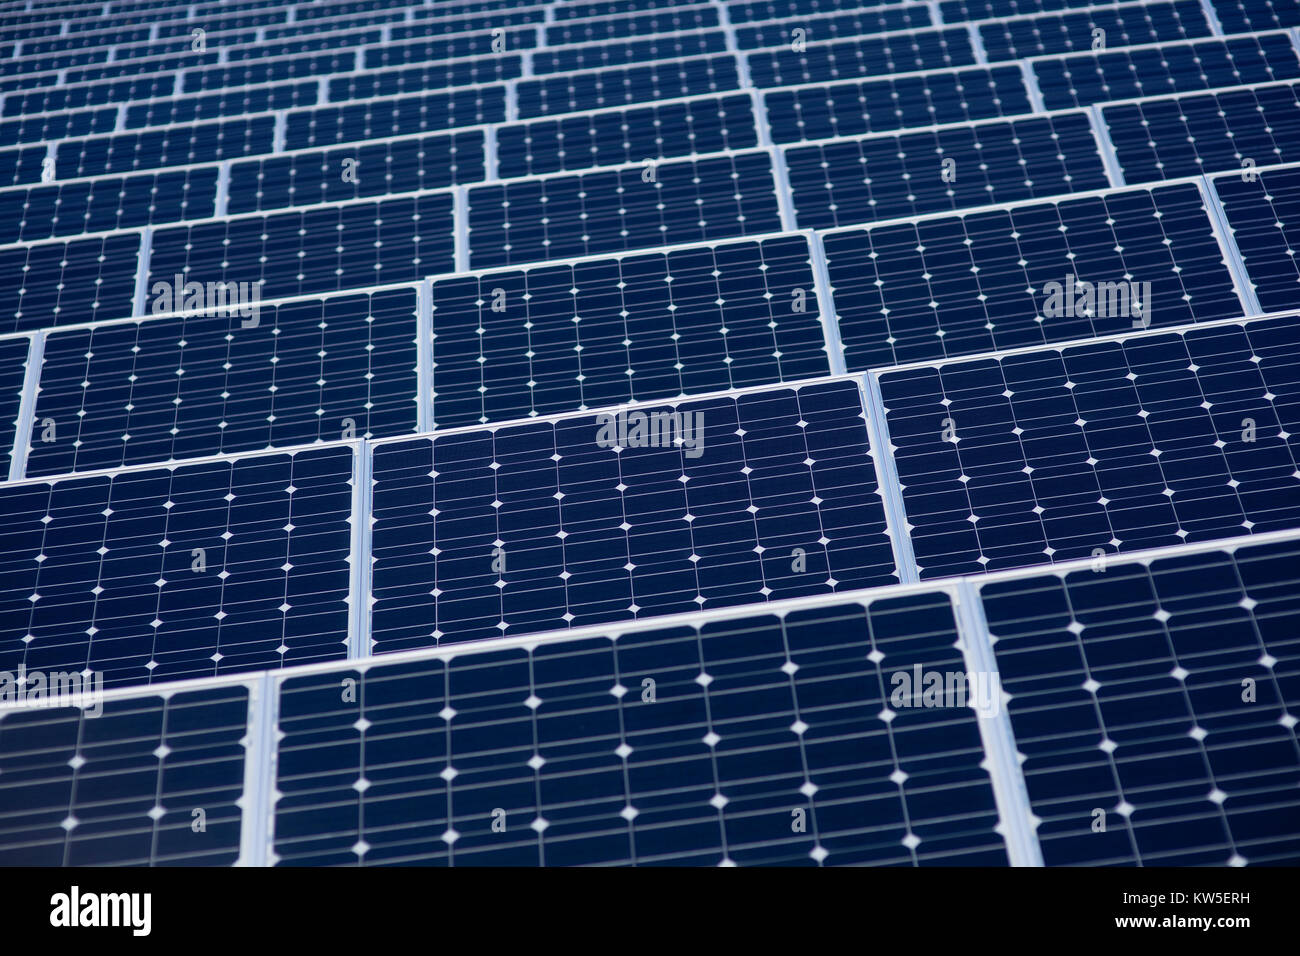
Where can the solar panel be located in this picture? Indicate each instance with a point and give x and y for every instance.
(594, 530)
(160, 574)
(760, 739)
(125, 787)
(617, 86)
(598, 332)
(396, 116)
(1243, 16)
(62, 283)
(1157, 698)
(868, 56)
(1121, 25)
(960, 284)
(1263, 213)
(1144, 441)
(191, 143)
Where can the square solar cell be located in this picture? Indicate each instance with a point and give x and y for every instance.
(555, 524)
(1157, 699)
(752, 740)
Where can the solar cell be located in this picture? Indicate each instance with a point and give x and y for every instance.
(1144, 441)
(160, 574)
(62, 283)
(695, 744)
(125, 787)
(552, 524)
(1263, 213)
(600, 332)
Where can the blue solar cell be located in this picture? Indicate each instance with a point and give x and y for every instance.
(855, 24)
(102, 205)
(869, 56)
(957, 285)
(180, 388)
(172, 145)
(349, 122)
(321, 249)
(1083, 79)
(1122, 25)
(1263, 212)
(371, 169)
(1113, 446)
(627, 208)
(173, 573)
(614, 137)
(873, 106)
(888, 177)
(621, 85)
(753, 721)
(119, 788)
(1127, 698)
(22, 164)
(60, 283)
(606, 331)
(592, 531)
(1190, 135)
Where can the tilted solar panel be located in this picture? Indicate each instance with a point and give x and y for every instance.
(1263, 213)
(61, 283)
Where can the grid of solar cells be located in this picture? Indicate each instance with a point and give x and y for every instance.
(22, 165)
(857, 23)
(321, 249)
(120, 788)
(867, 56)
(1243, 16)
(607, 331)
(548, 525)
(430, 76)
(624, 208)
(89, 94)
(1049, 455)
(36, 129)
(236, 102)
(958, 285)
(1087, 78)
(605, 28)
(618, 86)
(615, 137)
(448, 47)
(13, 370)
(1190, 135)
(890, 177)
(102, 205)
(357, 172)
(751, 722)
(1162, 697)
(165, 389)
(1121, 25)
(398, 116)
(1263, 212)
(172, 145)
(878, 105)
(164, 574)
(61, 283)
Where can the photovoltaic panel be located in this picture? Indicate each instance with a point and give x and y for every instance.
(266, 71)
(888, 177)
(146, 149)
(666, 21)
(594, 532)
(447, 47)
(1263, 213)
(1121, 25)
(615, 137)
(13, 368)
(21, 165)
(37, 129)
(868, 56)
(89, 94)
(1127, 700)
(102, 205)
(190, 386)
(192, 571)
(1243, 16)
(570, 58)
(959, 11)
(886, 104)
(120, 788)
(61, 283)
(618, 86)
(377, 169)
(855, 24)
(426, 77)
(1112, 446)
(957, 285)
(1190, 135)
(320, 249)
(624, 208)
(307, 44)
(1087, 78)
(602, 332)
(348, 122)
(752, 720)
